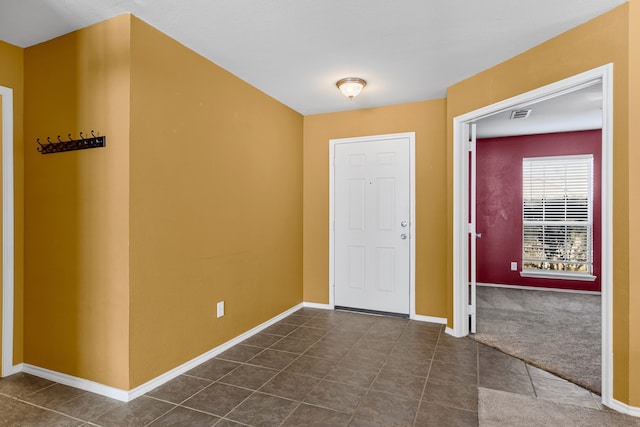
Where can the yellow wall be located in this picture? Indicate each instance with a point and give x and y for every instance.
(124, 264)
(598, 42)
(77, 205)
(216, 199)
(426, 119)
(634, 202)
(12, 76)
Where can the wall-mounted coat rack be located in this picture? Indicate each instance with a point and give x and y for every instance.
(72, 144)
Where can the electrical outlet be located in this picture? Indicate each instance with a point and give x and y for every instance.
(221, 309)
(514, 266)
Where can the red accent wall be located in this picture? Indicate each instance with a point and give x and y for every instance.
(499, 203)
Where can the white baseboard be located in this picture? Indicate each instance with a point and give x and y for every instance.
(167, 376)
(623, 408)
(451, 331)
(430, 319)
(14, 369)
(317, 305)
(81, 383)
(537, 288)
(128, 395)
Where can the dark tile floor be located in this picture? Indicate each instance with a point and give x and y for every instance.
(314, 368)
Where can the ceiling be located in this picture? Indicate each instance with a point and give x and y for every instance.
(295, 50)
(577, 110)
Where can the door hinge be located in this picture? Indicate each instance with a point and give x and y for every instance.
(471, 145)
(469, 228)
(471, 310)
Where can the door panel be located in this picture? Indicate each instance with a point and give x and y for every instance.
(372, 199)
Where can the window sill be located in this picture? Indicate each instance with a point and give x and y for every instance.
(560, 276)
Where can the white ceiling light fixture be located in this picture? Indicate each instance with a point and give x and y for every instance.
(351, 86)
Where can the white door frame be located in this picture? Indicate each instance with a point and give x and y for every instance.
(461, 194)
(412, 193)
(7, 232)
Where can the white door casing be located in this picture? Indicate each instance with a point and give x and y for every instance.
(7, 232)
(461, 200)
(473, 235)
(372, 223)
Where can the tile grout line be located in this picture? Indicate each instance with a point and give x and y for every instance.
(323, 378)
(256, 391)
(424, 388)
(355, 410)
(50, 410)
(331, 327)
(161, 415)
(32, 404)
(384, 363)
(320, 379)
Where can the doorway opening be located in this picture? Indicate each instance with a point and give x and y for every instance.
(464, 229)
(372, 223)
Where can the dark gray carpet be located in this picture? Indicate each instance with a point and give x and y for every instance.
(500, 409)
(558, 332)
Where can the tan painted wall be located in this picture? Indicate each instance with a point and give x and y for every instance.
(598, 42)
(634, 202)
(12, 76)
(216, 205)
(77, 205)
(427, 120)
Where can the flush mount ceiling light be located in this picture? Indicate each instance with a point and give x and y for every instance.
(351, 86)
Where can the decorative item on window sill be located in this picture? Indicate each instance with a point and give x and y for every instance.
(72, 144)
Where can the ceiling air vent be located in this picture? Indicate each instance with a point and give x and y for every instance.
(520, 114)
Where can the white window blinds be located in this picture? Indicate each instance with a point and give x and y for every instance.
(557, 199)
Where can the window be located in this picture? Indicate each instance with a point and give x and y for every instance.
(557, 200)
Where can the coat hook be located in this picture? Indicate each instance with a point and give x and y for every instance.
(71, 144)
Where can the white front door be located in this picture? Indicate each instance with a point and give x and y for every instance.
(372, 224)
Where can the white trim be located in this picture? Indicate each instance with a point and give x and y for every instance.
(460, 204)
(317, 305)
(450, 331)
(127, 396)
(473, 223)
(429, 319)
(460, 229)
(547, 274)
(537, 288)
(7, 233)
(606, 274)
(412, 256)
(167, 376)
(634, 411)
(80, 383)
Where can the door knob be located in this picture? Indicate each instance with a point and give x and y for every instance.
(404, 224)
(403, 236)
